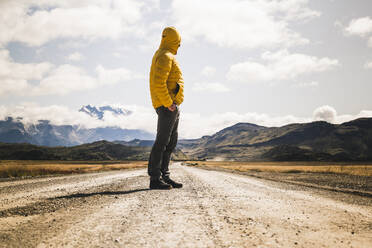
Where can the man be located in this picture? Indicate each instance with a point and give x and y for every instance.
(166, 87)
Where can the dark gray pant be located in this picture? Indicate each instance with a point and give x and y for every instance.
(166, 141)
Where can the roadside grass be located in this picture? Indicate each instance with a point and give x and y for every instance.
(357, 169)
(31, 168)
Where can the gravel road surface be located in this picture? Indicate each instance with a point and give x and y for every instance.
(214, 209)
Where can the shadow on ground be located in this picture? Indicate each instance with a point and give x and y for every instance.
(82, 195)
(53, 204)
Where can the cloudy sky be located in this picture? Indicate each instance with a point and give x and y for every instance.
(269, 62)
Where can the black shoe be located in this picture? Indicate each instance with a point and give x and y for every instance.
(173, 183)
(159, 184)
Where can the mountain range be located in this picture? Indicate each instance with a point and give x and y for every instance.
(315, 141)
(14, 130)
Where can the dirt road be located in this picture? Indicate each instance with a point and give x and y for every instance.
(214, 209)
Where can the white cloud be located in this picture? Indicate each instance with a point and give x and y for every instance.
(36, 22)
(325, 113)
(361, 26)
(329, 114)
(294, 10)
(113, 76)
(241, 24)
(281, 65)
(306, 84)
(210, 87)
(11, 69)
(208, 71)
(64, 79)
(67, 78)
(368, 65)
(15, 77)
(76, 56)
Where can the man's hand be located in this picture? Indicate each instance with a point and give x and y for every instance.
(172, 107)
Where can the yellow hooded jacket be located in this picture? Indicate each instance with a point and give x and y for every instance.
(166, 82)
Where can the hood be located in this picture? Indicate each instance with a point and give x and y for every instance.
(171, 39)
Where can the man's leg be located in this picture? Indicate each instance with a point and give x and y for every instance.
(167, 155)
(169, 149)
(166, 121)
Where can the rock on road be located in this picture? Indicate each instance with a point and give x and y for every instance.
(214, 209)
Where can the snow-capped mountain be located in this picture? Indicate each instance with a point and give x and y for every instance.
(99, 112)
(13, 130)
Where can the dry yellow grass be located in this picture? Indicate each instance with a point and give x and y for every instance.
(290, 167)
(23, 168)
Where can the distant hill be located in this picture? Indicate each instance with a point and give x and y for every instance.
(46, 134)
(100, 150)
(315, 141)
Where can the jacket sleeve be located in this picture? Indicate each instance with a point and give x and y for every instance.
(162, 68)
(179, 97)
